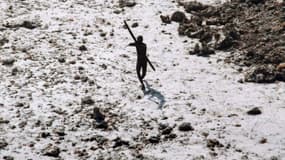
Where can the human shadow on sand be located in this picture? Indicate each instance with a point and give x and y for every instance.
(154, 95)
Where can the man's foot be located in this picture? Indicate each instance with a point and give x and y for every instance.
(143, 88)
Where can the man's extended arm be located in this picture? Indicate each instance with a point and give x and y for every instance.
(132, 44)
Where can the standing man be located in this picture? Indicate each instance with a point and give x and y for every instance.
(141, 60)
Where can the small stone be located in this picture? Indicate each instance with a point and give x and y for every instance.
(119, 142)
(165, 19)
(84, 79)
(51, 151)
(3, 41)
(194, 6)
(83, 48)
(8, 158)
(166, 131)
(178, 16)
(134, 25)
(22, 124)
(81, 152)
(15, 71)
(240, 80)
(254, 111)
(8, 62)
(154, 139)
(103, 34)
(212, 143)
(77, 77)
(274, 158)
(19, 104)
(29, 25)
(97, 115)
(3, 144)
(3, 121)
(100, 125)
(263, 140)
(163, 126)
(60, 130)
(117, 11)
(61, 60)
(87, 101)
(186, 126)
(171, 136)
(44, 134)
(127, 3)
(261, 74)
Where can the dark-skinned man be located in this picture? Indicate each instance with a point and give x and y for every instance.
(141, 59)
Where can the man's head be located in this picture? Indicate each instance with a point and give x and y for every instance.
(140, 39)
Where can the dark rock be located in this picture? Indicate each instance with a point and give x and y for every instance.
(166, 131)
(87, 101)
(23, 124)
(15, 71)
(80, 152)
(19, 104)
(100, 125)
(194, 6)
(274, 158)
(83, 48)
(154, 139)
(206, 51)
(165, 19)
(104, 66)
(59, 130)
(3, 121)
(198, 20)
(134, 25)
(163, 126)
(97, 115)
(261, 74)
(280, 75)
(254, 111)
(44, 134)
(185, 126)
(8, 158)
(178, 16)
(61, 60)
(25, 24)
(119, 142)
(103, 34)
(212, 143)
(101, 140)
(225, 44)
(127, 3)
(51, 151)
(170, 136)
(263, 140)
(3, 41)
(196, 49)
(255, 1)
(8, 62)
(77, 77)
(29, 25)
(3, 144)
(84, 78)
(117, 11)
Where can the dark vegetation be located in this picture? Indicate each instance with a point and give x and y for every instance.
(251, 31)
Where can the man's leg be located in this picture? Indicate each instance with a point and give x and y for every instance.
(144, 69)
(139, 66)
